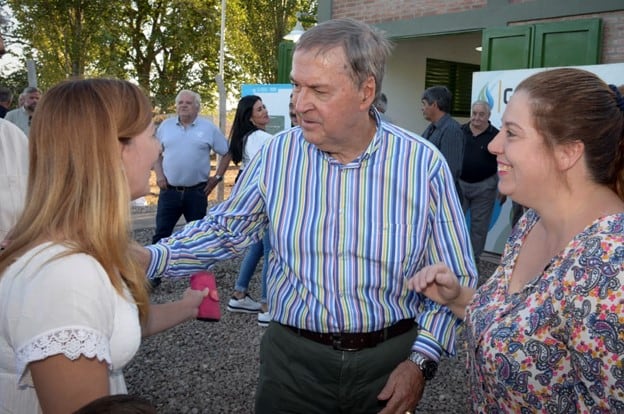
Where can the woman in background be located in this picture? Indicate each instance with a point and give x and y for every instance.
(246, 138)
(546, 331)
(73, 302)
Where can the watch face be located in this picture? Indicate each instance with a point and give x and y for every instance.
(429, 369)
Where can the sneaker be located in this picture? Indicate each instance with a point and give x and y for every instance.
(244, 305)
(263, 319)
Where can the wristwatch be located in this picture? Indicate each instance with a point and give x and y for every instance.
(219, 178)
(426, 365)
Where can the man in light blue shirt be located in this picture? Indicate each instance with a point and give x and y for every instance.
(183, 167)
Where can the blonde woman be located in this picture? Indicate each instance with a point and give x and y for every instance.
(73, 302)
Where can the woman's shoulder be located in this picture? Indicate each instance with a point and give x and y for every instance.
(259, 133)
(52, 263)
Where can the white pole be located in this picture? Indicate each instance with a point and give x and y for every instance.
(32, 72)
(221, 88)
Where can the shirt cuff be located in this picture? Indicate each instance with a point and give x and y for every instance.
(427, 345)
(159, 256)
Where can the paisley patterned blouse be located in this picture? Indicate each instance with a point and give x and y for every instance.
(557, 346)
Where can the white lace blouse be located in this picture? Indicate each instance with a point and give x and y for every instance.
(52, 305)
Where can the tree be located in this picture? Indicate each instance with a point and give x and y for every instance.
(262, 25)
(64, 36)
(165, 45)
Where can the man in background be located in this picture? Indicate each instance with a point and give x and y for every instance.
(478, 181)
(444, 132)
(183, 167)
(22, 116)
(6, 96)
(381, 104)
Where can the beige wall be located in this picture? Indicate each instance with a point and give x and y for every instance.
(405, 73)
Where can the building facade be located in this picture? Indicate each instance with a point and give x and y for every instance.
(428, 32)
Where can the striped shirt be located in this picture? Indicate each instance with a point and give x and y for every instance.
(345, 238)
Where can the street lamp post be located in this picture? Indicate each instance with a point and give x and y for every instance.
(285, 51)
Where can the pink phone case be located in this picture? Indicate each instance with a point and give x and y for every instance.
(209, 308)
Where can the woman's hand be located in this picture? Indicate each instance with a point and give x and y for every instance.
(441, 285)
(437, 282)
(166, 315)
(193, 298)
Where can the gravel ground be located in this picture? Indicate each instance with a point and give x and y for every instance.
(205, 367)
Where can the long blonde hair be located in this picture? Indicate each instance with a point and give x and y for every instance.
(78, 194)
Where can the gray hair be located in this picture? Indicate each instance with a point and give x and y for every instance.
(195, 96)
(484, 104)
(365, 47)
(30, 89)
(381, 103)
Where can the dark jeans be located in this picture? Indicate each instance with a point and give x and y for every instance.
(175, 202)
(298, 375)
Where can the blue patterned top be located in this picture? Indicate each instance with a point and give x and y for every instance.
(557, 346)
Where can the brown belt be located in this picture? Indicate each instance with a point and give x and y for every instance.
(356, 341)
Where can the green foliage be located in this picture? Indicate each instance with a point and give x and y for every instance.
(165, 45)
(262, 24)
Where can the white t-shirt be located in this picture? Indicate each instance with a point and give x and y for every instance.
(13, 174)
(52, 305)
(255, 141)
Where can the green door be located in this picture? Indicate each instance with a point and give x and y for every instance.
(284, 61)
(569, 43)
(506, 48)
(572, 43)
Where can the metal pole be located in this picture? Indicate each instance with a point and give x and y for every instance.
(32, 72)
(221, 88)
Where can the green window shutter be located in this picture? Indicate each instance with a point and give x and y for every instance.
(568, 43)
(456, 76)
(506, 48)
(284, 61)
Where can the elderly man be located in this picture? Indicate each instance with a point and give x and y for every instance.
(354, 207)
(183, 167)
(22, 116)
(478, 179)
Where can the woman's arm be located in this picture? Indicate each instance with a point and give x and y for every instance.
(167, 315)
(63, 385)
(441, 285)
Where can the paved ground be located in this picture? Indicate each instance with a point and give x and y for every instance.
(202, 367)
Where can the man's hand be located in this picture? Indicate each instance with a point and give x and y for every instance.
(161, 181)
(403, 390)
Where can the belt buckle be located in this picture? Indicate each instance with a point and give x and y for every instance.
(337, 344)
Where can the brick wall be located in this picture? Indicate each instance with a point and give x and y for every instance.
(375, 11)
